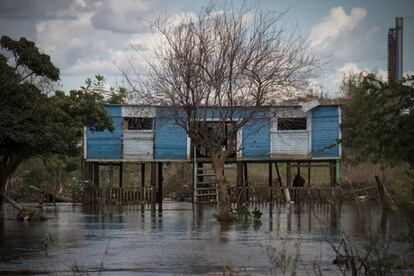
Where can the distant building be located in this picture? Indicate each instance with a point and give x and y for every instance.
(395, 51)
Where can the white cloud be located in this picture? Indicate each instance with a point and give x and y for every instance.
(332, 82)
(345, 42)
(336, 22)
(353, 68)
(126, 16)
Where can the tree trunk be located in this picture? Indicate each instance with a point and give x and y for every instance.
(8, 166)
(223, 191)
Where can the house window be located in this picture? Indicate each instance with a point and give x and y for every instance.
(291, 123)
(220, 131)
(138, 123)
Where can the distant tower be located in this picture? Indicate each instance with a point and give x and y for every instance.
(395, 51)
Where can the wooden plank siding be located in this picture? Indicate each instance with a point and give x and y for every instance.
(325, 131)
(260, 138)
(256, 137)
(106, 144)
(170, 139)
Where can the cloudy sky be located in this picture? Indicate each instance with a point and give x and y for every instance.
(88, 37)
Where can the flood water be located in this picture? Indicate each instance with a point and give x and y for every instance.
(183, 239)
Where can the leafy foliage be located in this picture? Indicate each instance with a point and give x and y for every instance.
(378, 121)
(32, 123)
(104, 92)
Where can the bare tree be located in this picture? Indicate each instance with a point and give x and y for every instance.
(215, 71)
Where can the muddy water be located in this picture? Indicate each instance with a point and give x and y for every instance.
(183, 239)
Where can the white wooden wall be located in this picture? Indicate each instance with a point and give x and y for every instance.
(290, 142)
(138, 144)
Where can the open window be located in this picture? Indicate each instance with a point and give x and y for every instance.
(221, 132)
(291, 124)
(138, 123)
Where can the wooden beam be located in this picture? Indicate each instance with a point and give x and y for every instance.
(142, 182)
(111, 174)
(333, 173)
(240, 182)
(288, 174)
(270, 181)
(246, 182)
(153, 183)
(120, 175)
(278, 174)
(95, 170)
(160, 179)
(309, 174)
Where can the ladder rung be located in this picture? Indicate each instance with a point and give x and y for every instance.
(206, 174)
(205, 189)
(206, 183)
(206, 194)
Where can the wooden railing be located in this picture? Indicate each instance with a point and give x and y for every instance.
(276, 194)
(117, 195)
(131, 196)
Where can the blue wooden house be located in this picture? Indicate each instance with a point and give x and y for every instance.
(301, 135)
(145, 133)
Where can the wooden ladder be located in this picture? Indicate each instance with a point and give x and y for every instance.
(205, 186)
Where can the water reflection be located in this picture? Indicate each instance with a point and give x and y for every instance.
(183, 238)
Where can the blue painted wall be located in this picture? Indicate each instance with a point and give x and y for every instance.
(256, 137)
(106, 144)
(325, 131)
(170, 142)
(170, 139)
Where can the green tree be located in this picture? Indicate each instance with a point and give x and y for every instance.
(378, 119)
(378, 125)
(33, 123)
(107, 94)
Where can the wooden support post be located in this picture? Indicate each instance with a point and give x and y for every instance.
(246, 182)
(95, 170)
(270, 181)
(309, 174)
(333, 173)
(338, 172)
(288, 174)
(111, 174)
(121, 174)
(286, 188)
(83, 172)
(142, 182)
(240, 182)
(278, 174)
(153, 183)
(87, 171)
(159, 186)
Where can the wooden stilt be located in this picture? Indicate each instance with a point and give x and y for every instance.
(333, 173)
(270, 181)
(288, 174)
(142, 182)
(288, 184)
(330, 174)
(153, 183)
(246, 182)
(120, 175)
(278, 174)
(338, 171)
(160, 179)
(309, 174)
(95, 170)
(240, 182)
(111, 174)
